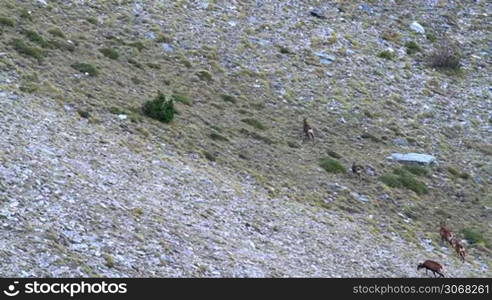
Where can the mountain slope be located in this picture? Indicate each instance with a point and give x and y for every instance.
(93, 187)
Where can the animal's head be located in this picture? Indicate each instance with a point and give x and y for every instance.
(420, 266)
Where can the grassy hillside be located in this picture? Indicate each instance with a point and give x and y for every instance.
(244, 74)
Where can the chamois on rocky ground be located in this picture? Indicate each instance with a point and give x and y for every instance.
(459, 248)
(357, 170)
(433, 266)
(446, 234)
(308, 130)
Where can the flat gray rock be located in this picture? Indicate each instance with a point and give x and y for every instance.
(419, 158)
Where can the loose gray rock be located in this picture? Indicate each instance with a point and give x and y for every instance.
(167, 47)
(417, 28)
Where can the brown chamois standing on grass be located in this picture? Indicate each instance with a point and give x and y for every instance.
(357, 170)
(459, 248)
(446, 234)
(308, 130)
(435, 267)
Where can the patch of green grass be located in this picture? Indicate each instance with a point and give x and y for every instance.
(6, 21)
(23, 48)
(332, 165)
(55, 31)
(209, 156)
(391, 180)
(109, 53)
(29, 87)
(413, 184)
(25, 14)
(136, 80)
(416, 170)
(256, 136)
(255, 123)
(205, 75)
(446, 57)
(116, 110)
(139, 45)
(412, 47)
(161, 38)
(86, 68)
(218, 137)
(135, 63)
(160, 108)
(473, 236)
(456, 173)
(294, 145)
(370, 136)
(391, 36)
(402, 177)
(109, 260)
(386, 54)
(35, 37)
(62, 45)
(453, 171)
(154, 66)
(284, 50)
(228, 98)
(83, 113)
(333, 154)
(431, 37)
(91, 20)
(183, 99)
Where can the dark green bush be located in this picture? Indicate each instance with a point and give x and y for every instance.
(386, 54)
(21, 47)
(209, 156)
(473, 236)
(25, 14)
(404, 177)
(62, 45)
(91, 20)
(154, 66)
(35, 37)
(333, 154)
(57, 32)
(331, 165)
(217, 137)
(228, 98)
(161, 108)
(412, 47)
(139, 45)
(391, 180)
(255, 123)
(109, 53)
(6, 21)
(416, 170)
(135, 63)
(85, 68)
(447, 56)
(413, 184)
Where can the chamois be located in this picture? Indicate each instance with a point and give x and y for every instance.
(459, 248)
(308, 130)
(435, 267)
(357, 169)
(446, 234)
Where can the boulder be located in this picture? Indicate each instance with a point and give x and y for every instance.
(424, 159)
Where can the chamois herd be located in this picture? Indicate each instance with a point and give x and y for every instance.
(446, 234)
(449, 237)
